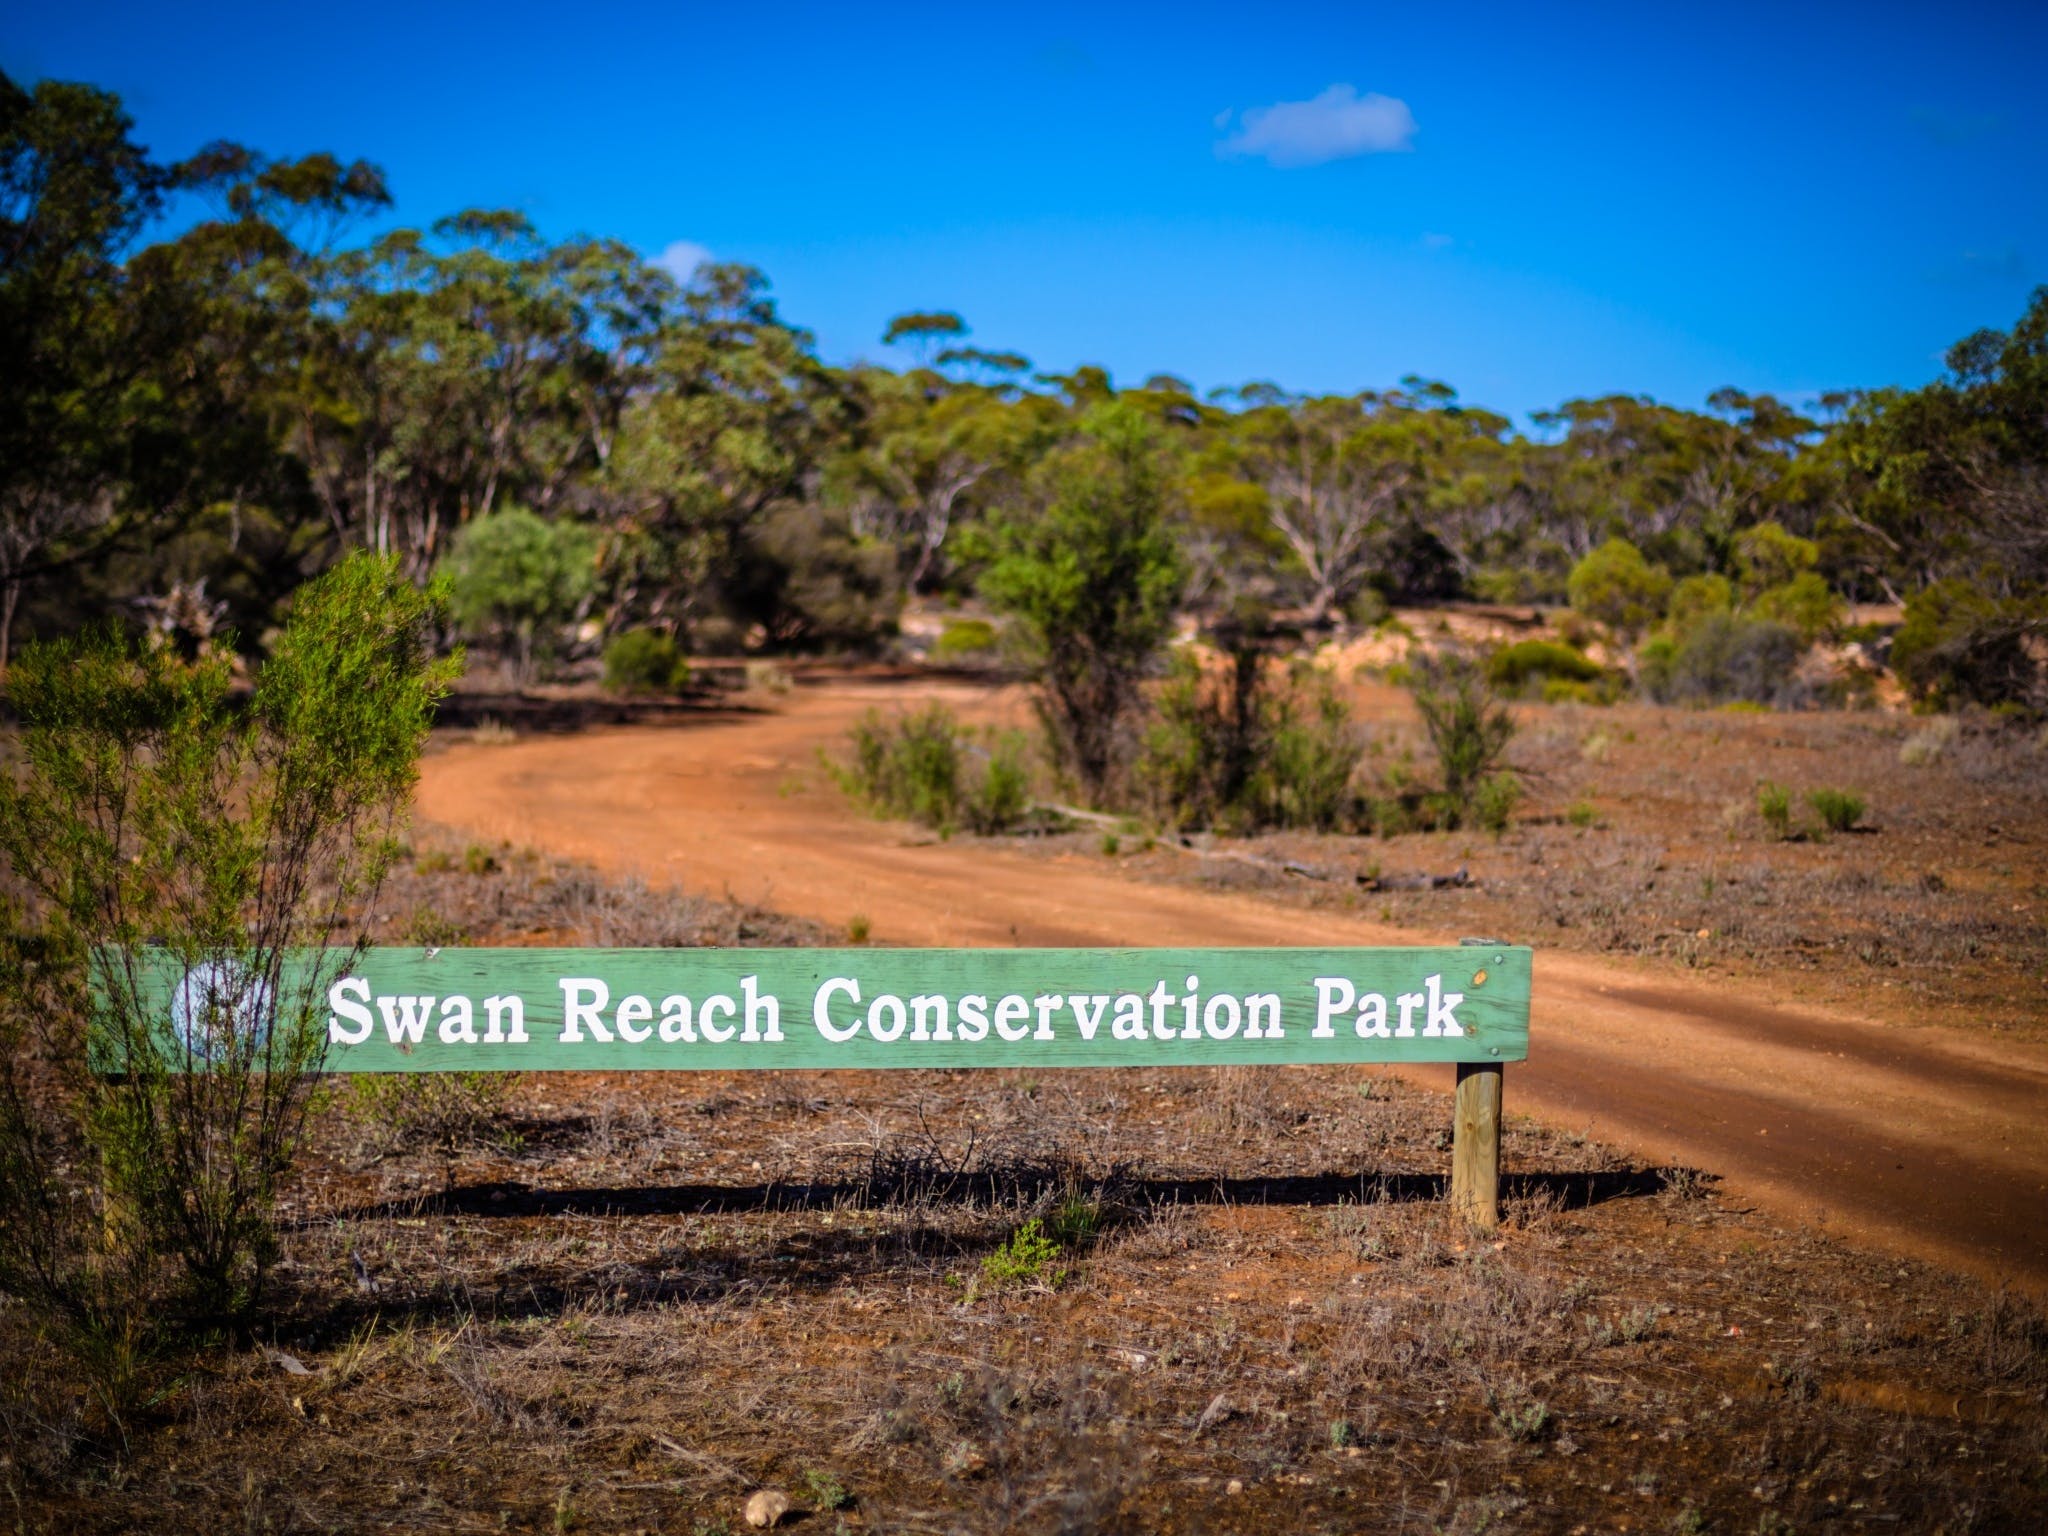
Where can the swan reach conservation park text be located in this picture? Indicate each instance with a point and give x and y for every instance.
(590, 1009)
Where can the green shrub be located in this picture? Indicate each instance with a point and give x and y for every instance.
(1093, 576)
(1251, 745)
(515, 579)
(1617, 587)
(964, 640)
(1369, 609)
(1494, 804)
(1962, 645)
(1724, 659)
(927, 768)
(997, 799)
(825, 1491)
(1805, 604)
(1774, 806)
(1656, 663)
(1517, 584)
(161, 832)
(1838, 809)
(645, 661)
(1696, 598)
(1469, 728)
(1929, 744)
(1768, 556)
(1315, 756)
(1514, 667)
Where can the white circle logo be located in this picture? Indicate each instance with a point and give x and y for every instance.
(219, 1004)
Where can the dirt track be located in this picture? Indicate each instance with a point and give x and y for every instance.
(1926, 1141)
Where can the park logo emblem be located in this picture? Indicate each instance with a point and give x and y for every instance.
(219, 1006)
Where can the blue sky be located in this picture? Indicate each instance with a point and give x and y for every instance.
(1531, 204)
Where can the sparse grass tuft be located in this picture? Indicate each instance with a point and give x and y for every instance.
(1027, 1257)
(1838, 809)
(1774, 805)
(446, 1110)
(1929, 744)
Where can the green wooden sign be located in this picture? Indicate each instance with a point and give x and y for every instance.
(469, 1010)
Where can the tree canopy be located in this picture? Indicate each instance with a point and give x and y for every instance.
(200, 422)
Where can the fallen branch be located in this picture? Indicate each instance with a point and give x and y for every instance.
(1457, 879)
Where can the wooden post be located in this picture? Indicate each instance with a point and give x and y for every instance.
(1475, 1144)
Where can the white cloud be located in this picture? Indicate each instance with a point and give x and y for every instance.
(681, 258)
(1336, 125)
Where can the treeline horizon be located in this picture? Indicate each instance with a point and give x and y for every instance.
(193, 426)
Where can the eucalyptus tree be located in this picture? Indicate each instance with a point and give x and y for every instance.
(930, 455)
(1091, 570)
(1332, 476)
(146, 385)
(733, 426)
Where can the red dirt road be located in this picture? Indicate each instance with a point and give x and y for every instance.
(1920, 1140)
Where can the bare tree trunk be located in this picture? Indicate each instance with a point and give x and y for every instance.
(10, 595)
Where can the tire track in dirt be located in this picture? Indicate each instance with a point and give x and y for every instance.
(1923, 1141)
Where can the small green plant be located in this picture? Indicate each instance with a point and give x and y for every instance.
(1637, 1324)
(857, 928)
(1111, 843)
(1075, 1221)
(1583, 813)
(1027, 1257)
(478, 860)
(1838, 809)
(1724, 659)
(1522, 1418)
(825, 1491)
(1341, 1434)
(432, 930)
(767, 676)
(645, 661)
(1494, 803)
(1774, 806)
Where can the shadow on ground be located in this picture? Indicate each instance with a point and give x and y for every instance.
(1563, 1191)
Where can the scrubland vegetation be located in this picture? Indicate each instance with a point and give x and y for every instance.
(1156, 1300)
(258, 482)
(200, 416)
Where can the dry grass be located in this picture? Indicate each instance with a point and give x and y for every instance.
(650, 1298)
(1641, 836)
